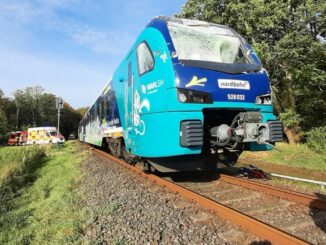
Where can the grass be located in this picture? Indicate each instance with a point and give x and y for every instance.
(47, 210)
(307, 186)
(299, 156)
(15, 162)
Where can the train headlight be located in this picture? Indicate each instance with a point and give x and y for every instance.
(182, 97)
(193, 96)
(265, 99)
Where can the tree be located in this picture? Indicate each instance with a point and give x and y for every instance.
(7, 118)
(3, 122)
(82, 110)
(34, 107)
(289, 37)
(70, 119)
(3, 118)
(46, 109)
(32, 96)
(20, 103)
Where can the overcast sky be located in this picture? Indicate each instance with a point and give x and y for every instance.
(70, 47)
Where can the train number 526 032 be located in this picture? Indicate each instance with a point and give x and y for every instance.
(236, 97)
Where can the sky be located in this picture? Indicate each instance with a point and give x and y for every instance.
(70, 47)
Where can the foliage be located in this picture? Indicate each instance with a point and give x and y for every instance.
(290, 118)
(82, 110)
(9, 108)
(3, 122)
(33, 107)
(4, 139)
(289, 37)
(70, 119)
(317, 139)
(48, 210)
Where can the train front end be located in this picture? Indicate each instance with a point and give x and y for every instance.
(221, 99)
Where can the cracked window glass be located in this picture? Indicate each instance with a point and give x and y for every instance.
(145, 58)
(206, 43)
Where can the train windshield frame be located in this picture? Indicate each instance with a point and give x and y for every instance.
(212, 47)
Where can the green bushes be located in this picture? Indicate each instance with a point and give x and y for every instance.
(317, 139)
(290, 119)
(4, 139)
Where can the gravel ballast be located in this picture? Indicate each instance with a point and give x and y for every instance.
(127, 209)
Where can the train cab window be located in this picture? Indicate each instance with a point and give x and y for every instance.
(145, 58)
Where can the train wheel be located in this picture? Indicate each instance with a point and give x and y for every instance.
(115, 146)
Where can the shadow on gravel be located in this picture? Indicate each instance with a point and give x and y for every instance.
(233, 171)
(318, 215)
(261, 243)
(196, 176)
(200, 176)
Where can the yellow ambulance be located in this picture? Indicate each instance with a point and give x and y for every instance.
(44, 135)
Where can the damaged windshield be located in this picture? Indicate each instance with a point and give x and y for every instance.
(207, 43)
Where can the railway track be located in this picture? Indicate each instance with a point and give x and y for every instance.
(305, 199)
(228, 197)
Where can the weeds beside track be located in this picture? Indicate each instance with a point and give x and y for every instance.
(46, 208)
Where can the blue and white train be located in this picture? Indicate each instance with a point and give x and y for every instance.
(187, 95)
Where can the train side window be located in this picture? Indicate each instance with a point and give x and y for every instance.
(108, 104)
(102, 108)
(145, 58)
(99, 109)
(93, 113)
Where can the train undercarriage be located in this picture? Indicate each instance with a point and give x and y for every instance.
(223, 136)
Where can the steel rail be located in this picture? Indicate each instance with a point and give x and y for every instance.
(306, 199)
(249, 224)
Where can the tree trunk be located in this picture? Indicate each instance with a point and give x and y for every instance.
(277, 105)
(17, 117)
(289, 94)
(291, 135)
(34, 123)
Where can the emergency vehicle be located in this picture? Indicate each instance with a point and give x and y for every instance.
(17, 138)
(44, 135)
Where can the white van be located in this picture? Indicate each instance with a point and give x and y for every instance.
(44, 135)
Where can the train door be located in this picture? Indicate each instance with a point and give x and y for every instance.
(129, 99)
